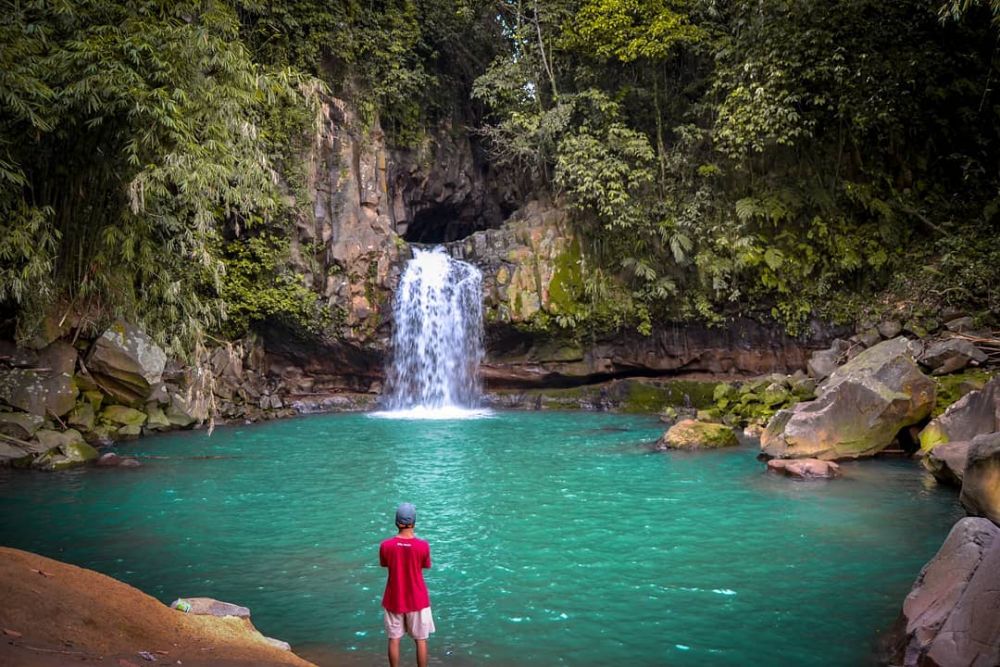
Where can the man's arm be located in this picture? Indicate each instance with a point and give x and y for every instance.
(381, 556)
(427, 558)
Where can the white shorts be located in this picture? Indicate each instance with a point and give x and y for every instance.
(417, 624)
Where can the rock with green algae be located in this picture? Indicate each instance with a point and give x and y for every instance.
(976, 413)
(157, 418)
(124, 416)
(68, 450)
(860, 409)
(82, 416)
(95, 398)
(694, 434)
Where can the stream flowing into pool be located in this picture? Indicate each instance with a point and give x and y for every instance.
(557, 538)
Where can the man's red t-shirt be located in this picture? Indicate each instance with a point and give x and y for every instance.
(405, 557)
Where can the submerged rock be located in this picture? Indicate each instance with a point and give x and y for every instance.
(981, 482)
(692, 434)
(125, 363)
(952, 614)
(860, 408)
(109, 460)
(805, 468)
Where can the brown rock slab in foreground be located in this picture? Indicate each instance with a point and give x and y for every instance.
(98, 616)
(952, 615)
(805, 468)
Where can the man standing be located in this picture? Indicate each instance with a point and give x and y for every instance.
(406, 603)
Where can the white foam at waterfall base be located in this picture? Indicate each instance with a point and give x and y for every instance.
(437, 340)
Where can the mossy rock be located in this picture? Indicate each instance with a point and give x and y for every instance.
(79, 451)
(157, 420)
(95, 398)
(70, 452)
(49, 439)
(641, 397)
(693, 434)
(709, 415)
(931, 436)
(119, 414)
(130, 431)
(775, 395)
(82, 416)
(950, 388)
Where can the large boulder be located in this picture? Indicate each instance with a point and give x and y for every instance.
(981, 482)
(947, 462)
(125, 363)
(952, 614)
(693, 434)
(859, 410)
(47, 387)
(976, 413)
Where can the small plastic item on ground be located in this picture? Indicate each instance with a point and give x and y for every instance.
(180, 604)
(147, 656)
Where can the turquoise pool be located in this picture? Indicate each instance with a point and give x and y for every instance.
(557, 538)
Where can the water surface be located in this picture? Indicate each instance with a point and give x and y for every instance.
(557, 538)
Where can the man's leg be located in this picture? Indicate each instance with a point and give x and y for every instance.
(421, 652)
(393, 653)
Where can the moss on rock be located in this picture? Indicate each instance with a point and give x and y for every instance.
(693, 434)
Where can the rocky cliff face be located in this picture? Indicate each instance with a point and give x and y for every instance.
(370, 202)
(367, 200)
(533, 269)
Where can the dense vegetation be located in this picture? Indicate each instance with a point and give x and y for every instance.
(781, 157)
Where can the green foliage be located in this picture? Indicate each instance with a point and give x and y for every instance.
(131, 131)
(758, 158)
(952, 387)
(408, 63)
(258, 288)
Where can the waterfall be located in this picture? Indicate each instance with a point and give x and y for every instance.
(438, 339)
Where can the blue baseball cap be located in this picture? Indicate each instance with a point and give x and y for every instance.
(406, 514)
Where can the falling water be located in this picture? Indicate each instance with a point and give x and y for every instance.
(437, 343)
